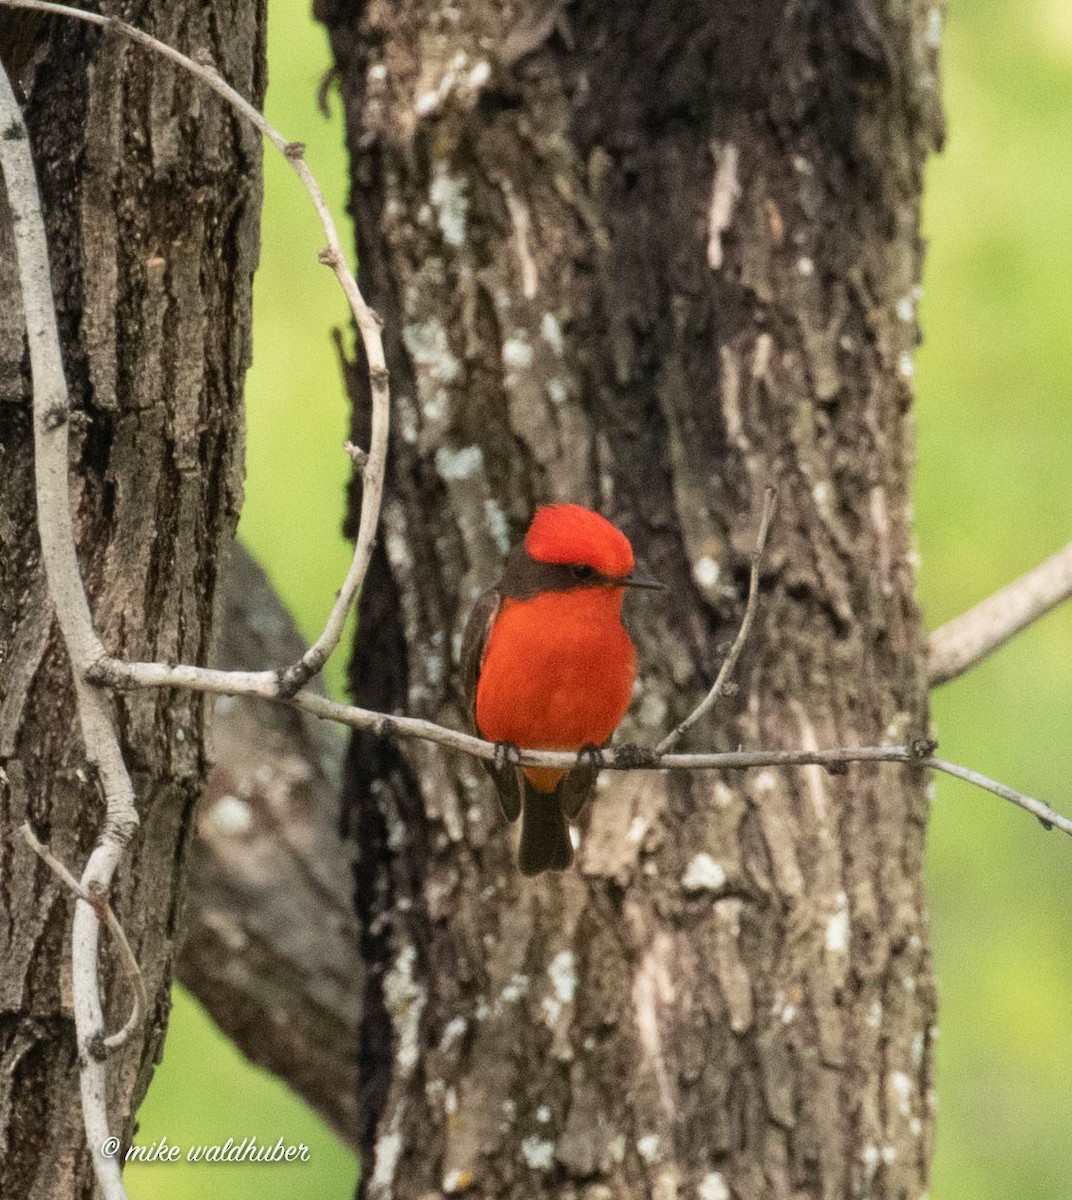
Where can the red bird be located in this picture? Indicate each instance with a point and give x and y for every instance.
(548, 665)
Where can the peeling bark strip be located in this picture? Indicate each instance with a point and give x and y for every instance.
(152, 199)
(649, 257)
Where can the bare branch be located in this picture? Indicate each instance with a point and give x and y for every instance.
(770, 500)
(959, 644)
(1046, 816)
(51, 409)
(368, 323)
(114, 673)
(105, 913)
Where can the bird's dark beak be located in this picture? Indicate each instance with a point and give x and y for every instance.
(642, 581)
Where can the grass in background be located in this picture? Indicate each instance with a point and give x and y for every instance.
(993, 498)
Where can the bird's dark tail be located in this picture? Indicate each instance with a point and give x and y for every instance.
(545, 840)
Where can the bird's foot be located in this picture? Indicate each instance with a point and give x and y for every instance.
(507, 754)
(591, 756)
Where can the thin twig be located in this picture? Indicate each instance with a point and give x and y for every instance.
(58, 554)
(621, 758)
(104, 912)
(959, 644)
(369, 326)
(1038, 808)
(770, 500)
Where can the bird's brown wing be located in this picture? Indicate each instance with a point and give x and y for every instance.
(474, 642)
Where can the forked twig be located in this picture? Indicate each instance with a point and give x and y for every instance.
(288, 679)
(770, 503)
(106, 914)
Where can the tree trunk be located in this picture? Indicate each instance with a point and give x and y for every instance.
(152, 195)
(649, 257)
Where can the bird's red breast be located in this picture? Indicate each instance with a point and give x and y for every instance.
(558, 671)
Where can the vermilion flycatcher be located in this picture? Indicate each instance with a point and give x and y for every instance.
(548, 665)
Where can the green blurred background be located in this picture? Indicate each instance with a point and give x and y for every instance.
(993, 498)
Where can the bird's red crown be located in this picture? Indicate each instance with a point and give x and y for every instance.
(568, 533)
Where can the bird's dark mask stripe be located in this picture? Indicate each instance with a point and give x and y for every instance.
(524, 577)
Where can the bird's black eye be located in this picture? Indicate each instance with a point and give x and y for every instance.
(581, 571)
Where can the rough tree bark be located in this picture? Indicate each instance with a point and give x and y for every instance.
(649, 257)
(152, 197)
